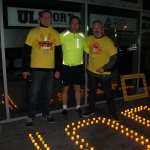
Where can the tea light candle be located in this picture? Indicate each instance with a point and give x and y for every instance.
(136, 139)
(41, 139)
(87, 123)
(66, 129)
(68, 126)
(126, 129)
(99, 118)
(37, 133)
(77, 136)
(72, 138)
(117, 124)
(131, 131)
(92, 148)
(142, 137)
(45, 145)
(142, 142)
(43, 142)
(38, 147)
(39, 136)
(96, 121)
(82, 140)
(68, 133)
(146, 140)
(82, 125)
(79, 122)
(121, 126)
(30, 135)
(81, 146)
(72, 124)
(131, 136)
(143, 123)
(148, 125)
(48, 148)
(74, 129)
(33, 141)
(31, 138)
(148, 146)
(35, 144)
(73, 132)
(86, 144)
(116, 128)
(127, 134)
(112, 126)
(103, 121)
(136, 134)
(92, 122)
(108, 123)
(122, 131)
(77, 142)
(109, 120)
(113, 122)
(83, 121)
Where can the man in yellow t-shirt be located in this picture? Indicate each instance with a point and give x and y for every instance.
(102, 57)
(42, 59)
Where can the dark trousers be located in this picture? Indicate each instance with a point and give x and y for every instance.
(37, 77)
(105, 82)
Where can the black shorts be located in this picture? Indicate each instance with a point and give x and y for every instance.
(73, 75)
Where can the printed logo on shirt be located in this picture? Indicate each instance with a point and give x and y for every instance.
(45, 43)
(95, 48)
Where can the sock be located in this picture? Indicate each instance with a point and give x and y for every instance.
(64, 106)
(78, 106)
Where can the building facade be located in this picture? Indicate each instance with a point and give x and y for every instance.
(126, 22)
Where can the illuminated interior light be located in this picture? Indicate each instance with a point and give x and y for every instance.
(87, 28)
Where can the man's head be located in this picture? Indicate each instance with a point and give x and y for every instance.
(98, 29)
(45, 18)
(74, 24)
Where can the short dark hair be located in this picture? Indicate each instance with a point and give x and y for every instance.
(46, 10)
(74, 17)
(97, 21)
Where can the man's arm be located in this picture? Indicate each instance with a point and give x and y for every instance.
(26, 60)
(58, 58)
(111, 64)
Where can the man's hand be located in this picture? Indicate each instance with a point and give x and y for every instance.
(57, 75)
(25, 74)
(100, 70)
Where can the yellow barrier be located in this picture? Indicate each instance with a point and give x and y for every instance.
(134, 96)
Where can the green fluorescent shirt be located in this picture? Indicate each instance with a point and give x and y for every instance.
(73, 46)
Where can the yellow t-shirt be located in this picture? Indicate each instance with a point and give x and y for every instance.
(43, 42)
(100, 52)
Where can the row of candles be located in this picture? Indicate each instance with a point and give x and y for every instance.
(10, 102)
(114, 125)
(40, 139)
(131, 114)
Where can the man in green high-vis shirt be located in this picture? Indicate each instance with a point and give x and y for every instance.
(73, 44)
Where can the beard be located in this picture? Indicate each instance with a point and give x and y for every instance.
(98, 34)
